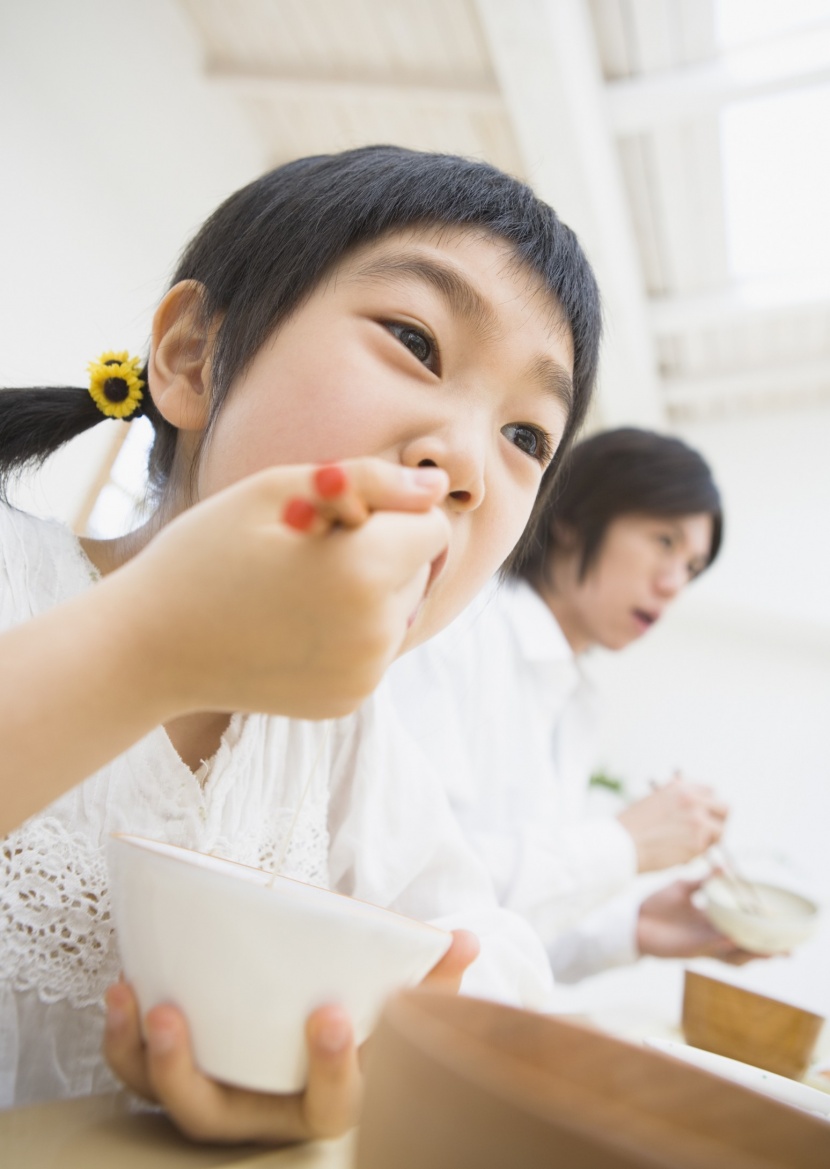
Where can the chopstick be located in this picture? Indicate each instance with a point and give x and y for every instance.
(746, 892)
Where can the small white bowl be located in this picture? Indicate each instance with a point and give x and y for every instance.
(247, 956)
(783, 920)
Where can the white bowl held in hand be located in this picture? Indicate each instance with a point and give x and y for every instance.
(775, 923)
(247, 956)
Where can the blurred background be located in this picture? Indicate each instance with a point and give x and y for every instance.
(688, 144)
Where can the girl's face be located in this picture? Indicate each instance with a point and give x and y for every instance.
(643, 563)
(423, 348)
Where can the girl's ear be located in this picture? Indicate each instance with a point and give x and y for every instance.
(179, 366)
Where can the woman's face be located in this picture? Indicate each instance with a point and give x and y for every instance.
(644, 562)
(423, 348)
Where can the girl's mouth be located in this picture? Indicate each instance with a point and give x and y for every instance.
(435, 570)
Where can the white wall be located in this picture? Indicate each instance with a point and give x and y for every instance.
(775, 475)
(113, 149)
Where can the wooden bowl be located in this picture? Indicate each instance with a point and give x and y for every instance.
(457, 1083)
(741, 1024)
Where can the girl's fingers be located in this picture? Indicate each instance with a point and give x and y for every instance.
(331, 480)
(123, 1044)
(341, 502)
(347, 493)
(350, 492)
(397, 547)
(331, 1101)
(192, 1101)
(163, 1070)
(446, 975)
(385, 486)
(302, 516)
(202, 1108)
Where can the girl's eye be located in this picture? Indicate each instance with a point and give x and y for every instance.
(530, 439)
(422, 347)
(666, 541)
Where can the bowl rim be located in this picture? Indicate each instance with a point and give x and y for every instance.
(756, 997)
(178, 854)
(426, 1022)
(810, 904)
(713, 1060)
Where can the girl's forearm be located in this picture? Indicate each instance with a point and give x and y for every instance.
(78, 686)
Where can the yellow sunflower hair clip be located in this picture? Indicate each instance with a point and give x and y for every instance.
(114, 384)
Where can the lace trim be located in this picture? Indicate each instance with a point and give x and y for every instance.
(305, 858)
(57, 935)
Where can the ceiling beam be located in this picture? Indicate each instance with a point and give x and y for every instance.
(272, 87)
(638, 105)
(545, 59)
(749, 300)
(796, 381)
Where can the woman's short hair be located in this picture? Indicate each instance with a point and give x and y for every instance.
(614, 473)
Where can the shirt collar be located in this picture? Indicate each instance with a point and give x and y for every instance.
(538, 634)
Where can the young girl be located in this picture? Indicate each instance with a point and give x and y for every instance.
(636, 517)
(425, 318)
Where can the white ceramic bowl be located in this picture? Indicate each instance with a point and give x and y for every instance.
(785, 919)
(247, 956)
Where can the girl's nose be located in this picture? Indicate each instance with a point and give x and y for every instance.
(462, 461)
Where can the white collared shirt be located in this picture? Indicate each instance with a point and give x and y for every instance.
(501, 707)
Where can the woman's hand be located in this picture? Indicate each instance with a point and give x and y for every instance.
(671, 926)
(162, 1069)
(673, 824)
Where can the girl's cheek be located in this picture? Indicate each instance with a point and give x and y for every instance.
(516, 514)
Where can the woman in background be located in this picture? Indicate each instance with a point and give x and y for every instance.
(500, 703)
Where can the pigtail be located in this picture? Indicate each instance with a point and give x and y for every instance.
(36, 422)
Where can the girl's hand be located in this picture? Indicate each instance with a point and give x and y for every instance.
(162, 1069)
(238, 610)
(228, 608)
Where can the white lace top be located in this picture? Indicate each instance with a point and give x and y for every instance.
(373, 823)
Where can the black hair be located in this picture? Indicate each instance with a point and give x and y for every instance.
(270, 244)
(616, 472)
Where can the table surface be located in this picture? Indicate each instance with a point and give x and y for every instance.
(105, 1131)
(94, 1132)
